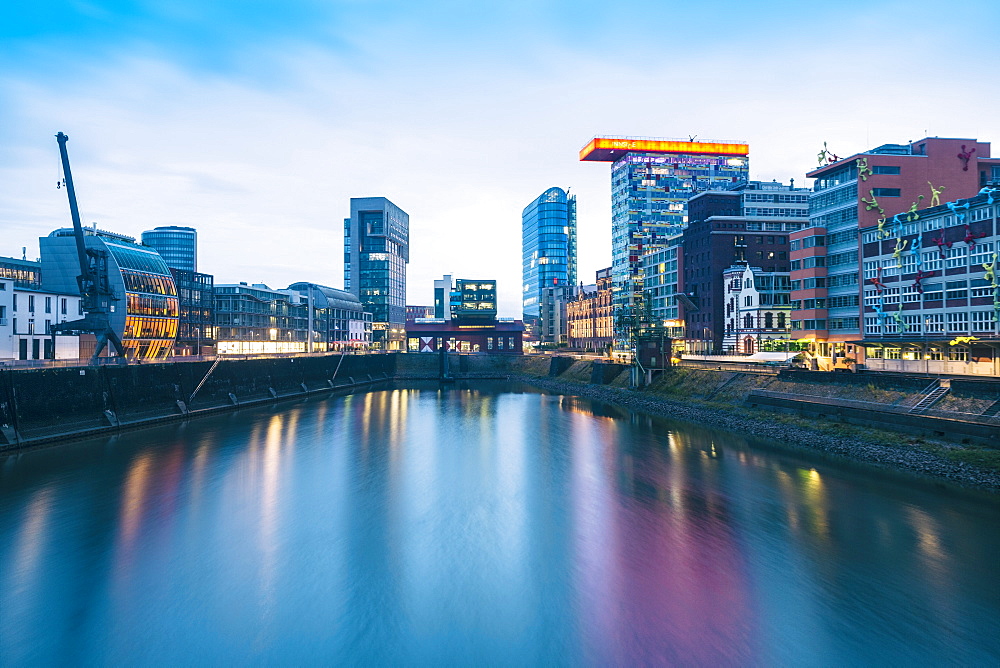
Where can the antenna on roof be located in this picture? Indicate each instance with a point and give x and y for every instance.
(692, 137)
(24, 252)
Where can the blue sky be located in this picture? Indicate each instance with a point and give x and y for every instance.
(256, 121)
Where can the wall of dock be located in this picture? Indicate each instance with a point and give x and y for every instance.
(38, 405)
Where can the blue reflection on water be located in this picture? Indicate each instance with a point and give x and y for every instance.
(430, 525)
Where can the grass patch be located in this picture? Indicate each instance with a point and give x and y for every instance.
(985, 458)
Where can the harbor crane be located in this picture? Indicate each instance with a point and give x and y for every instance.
(96, 294)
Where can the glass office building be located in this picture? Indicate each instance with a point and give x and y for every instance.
(548, 249)
(178, 246)
(145, 316)
(376, 251)
(651, 182)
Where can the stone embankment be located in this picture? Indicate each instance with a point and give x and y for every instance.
(874, 450)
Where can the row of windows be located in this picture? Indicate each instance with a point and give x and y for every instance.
(150, 328)
(63, 302)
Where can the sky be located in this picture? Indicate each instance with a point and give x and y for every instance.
(256, 122)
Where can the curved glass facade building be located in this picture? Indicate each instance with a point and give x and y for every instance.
(145, 312)
(178, 246)
(548, 249)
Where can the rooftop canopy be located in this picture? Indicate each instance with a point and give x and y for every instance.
(610, 149)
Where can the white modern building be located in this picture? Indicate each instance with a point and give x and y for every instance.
(27, 312)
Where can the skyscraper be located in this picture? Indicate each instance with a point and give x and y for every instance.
(651, 182)
(178, 246)
(376, 251)
(548, 249)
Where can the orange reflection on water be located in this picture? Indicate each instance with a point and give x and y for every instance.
(134, 498)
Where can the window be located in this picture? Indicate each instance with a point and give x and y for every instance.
(932, 260)
(958, 323)
(982, 321)
(885, 169)
(981, 288)
(885, 192)
(981, 253)
(815, 261)
(48, 304)
(935, 223)
(957, 257)
(982, 213)
(62, 306)
(31, 303)
(933, 292)
(956, 290)
(934, 323)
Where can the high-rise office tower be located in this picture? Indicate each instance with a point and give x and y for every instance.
(178, 246)
(651, 182)
(548, 250)
(376, 251)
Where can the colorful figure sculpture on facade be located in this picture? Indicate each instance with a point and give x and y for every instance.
(897, 253)
(962, 340)
(863, 171)
(915, 247)
(991, 276)
(991, 271)
(882, 232)
(898, 317)
(912, 214)
(877, 280)
(879, 312)
(970, 238)
(872, 203)
(824, 157)
(936, 194)
(965, 156)
(919, 277)
(942, 245)
(989, 193)
(959, 211)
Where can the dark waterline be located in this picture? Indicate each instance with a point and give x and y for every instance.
(450, 526)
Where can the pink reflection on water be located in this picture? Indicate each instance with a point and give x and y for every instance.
(660, 578)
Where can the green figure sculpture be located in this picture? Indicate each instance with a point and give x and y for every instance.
(863, 170)
(912, 214)
(872, 203)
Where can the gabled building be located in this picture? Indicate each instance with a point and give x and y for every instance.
(757, 310)
(590, 316)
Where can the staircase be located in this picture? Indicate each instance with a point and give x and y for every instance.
(932, 394)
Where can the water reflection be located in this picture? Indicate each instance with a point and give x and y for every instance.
(443, 525)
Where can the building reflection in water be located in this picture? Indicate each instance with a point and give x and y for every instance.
(441, 526)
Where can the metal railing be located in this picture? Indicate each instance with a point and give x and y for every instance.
(973, 418)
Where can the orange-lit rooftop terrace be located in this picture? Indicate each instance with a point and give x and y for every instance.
(610, 149)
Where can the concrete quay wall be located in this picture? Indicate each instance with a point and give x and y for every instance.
(38, 405)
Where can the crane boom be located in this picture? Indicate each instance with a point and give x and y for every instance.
(96, 294)
(74, 211)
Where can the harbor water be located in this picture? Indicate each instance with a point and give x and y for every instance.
(449, 525)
